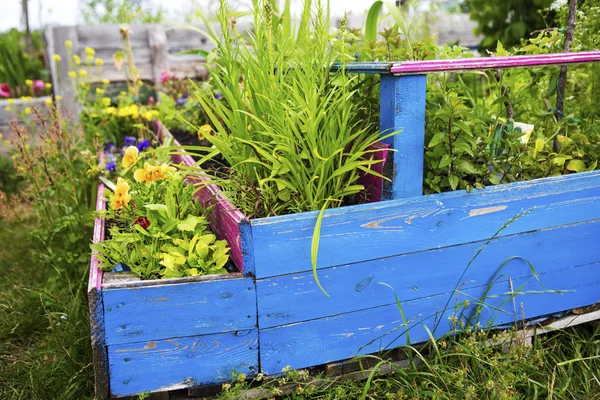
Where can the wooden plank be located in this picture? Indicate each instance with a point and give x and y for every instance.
(402, 108)
(294, 298)
(174, 310)
(121, 280)
(160, 54)
(176, 363)
(63, 86)
(344, 336)
(108, 36)
(482, 63)
(384, 229)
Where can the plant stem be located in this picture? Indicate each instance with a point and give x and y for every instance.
(562, 77)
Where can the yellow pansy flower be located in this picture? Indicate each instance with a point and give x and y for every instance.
(130, 156)
(163, 170)
(203, 131)
(149, 115)
(121, 197)
(144, 174)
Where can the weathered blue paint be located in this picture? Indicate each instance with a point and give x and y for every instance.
(378, 68)
(375, 329)
(378, 230)
(402, 108)
(247, 247)
(167, 311)
(181, 362)
(294, 298)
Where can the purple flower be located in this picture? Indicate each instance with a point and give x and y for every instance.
(129, 141)
(111, 166)
(218, 96)
(143, 144)
(181, 101)
(110, 147)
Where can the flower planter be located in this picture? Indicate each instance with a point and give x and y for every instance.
(158, 335)
(396, 271)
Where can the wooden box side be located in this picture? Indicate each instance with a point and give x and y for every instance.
(181, 362)
(282, 245)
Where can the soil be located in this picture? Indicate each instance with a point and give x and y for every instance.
(216, 166)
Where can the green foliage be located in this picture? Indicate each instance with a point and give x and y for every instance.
(509, 21)
(176, 241)
(286, 125)
(121, 12)
(16, 65)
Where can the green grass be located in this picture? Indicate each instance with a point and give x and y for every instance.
(44, 323)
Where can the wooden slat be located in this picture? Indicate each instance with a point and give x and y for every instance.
(294, 298)
(343, 336)
(177, 363)
(482, 63)
(384, 229)
(161, 312)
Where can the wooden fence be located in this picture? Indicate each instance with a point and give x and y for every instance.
(155, 49)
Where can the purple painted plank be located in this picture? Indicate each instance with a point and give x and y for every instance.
(373, 184)
(479, 63)
(95, 280)
(225, 218)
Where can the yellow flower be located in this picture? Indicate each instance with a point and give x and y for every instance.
(163, 170)
(89, 51)
(121, 196)
(28, 111)
(110, 111)
(144, 174)
(203, 131)
(106, 101)
(130, 156)
(99, 62)
(131, 110)
(56, 58)
(140, 83)
(82, 73)
(11, 101)
(28, 82)
(48, 86)
(1, 136)
(68, 44)
(149, 115)
(58, 97)
(105, 81)
(26, 98)
(99, 91)
(90, 58)
(72, 74)
(7, 108)
(77, 59)
(94, 115)
(48, 102)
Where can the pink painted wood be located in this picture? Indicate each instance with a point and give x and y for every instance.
(225, 219)
(95, 280)
(481, 63)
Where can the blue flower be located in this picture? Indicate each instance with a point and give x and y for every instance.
(129, 141)
(143, 144)
(110, 147)
(111, 166)
(181, 101)
(218, 96)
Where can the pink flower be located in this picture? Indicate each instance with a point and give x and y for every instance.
(38, 87)
(4, 90)
(165, 76)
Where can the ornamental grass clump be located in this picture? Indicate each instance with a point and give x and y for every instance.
(285, 124)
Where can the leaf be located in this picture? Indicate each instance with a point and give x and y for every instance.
(314, 250)
(437, 139)
(453, 180)
(157, 207)
(465, 166)
(445, 161)
(189, 225)
(118, 59)
(576, 165)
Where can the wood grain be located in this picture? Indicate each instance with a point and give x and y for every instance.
(294, 298)
(174, 310)
(177, 363)
(378, 230)
(347, 335)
